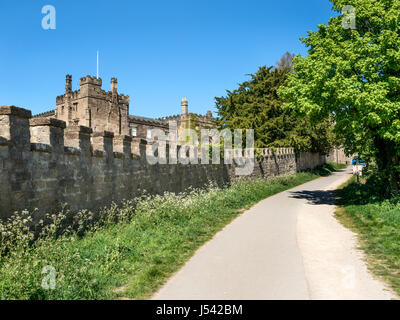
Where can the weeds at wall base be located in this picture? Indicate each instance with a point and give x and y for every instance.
(139, 252)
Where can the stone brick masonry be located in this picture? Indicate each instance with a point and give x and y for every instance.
(44, 164)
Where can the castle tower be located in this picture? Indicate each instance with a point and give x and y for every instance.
(184, 107)
(93, 107)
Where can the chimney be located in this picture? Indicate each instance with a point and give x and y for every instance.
(184, 106)
(68, 83)
(114, 86)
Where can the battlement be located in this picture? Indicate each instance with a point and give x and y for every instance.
(122, 98)
(15, 111)
(172, 117)
(74, 95)
(46, 163)
(50, 113)
(96, 91)
(44, 130)
(91, 80)
(60, 99)
(204, 118)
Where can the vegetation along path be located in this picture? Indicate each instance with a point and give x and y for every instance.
(288, 246)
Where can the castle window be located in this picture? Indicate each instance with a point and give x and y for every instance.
(134, 131)
(75, 107)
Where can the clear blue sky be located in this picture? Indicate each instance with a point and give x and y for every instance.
(160, 51)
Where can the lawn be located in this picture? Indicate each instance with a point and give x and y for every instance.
(152, 238)
(377, 221)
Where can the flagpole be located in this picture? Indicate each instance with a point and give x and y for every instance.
(97, 64)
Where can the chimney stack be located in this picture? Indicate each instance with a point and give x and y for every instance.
(68, 83)
(114, 86)
(184, 107)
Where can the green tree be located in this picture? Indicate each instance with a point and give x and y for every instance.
(256, 105)
(353, 76)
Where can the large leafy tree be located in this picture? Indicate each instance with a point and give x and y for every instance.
(353, 76)
(255, 105)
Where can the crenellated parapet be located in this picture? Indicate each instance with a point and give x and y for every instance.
(91, 81)
(46, 114)
(124, 99)
(18, 127)
(45, 163)
(168, 118)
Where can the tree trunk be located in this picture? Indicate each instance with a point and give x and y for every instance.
(387, 161)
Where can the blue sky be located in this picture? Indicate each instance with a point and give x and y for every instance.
(160, 51)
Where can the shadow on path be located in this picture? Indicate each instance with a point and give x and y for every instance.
(317, 197)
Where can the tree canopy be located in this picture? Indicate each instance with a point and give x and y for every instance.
(255, 104)
(353, 76)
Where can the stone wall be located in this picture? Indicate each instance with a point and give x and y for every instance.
(141, 129)
(337, 155)
(44, 164)
(308, 160)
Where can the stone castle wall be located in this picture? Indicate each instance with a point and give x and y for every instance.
(307, 160)
(44, 164)
(338, 155)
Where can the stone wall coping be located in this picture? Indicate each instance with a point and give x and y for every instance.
(41, 147)
(123, 138)
(72, 151)
(139, 140)
(80, 129)
(118, 155)
(52, 122)
(4, 141)
(106, 134)
(98, 153)
(15, 111)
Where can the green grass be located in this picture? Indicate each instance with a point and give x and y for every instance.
(377, 221)
(328, 168)
(136, 255)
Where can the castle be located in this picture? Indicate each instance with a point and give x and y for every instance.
(89, 152)
(92, 107)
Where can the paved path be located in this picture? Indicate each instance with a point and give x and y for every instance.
(266, 253)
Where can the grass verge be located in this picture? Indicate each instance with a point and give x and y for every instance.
(377, 222)
(138, 254)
